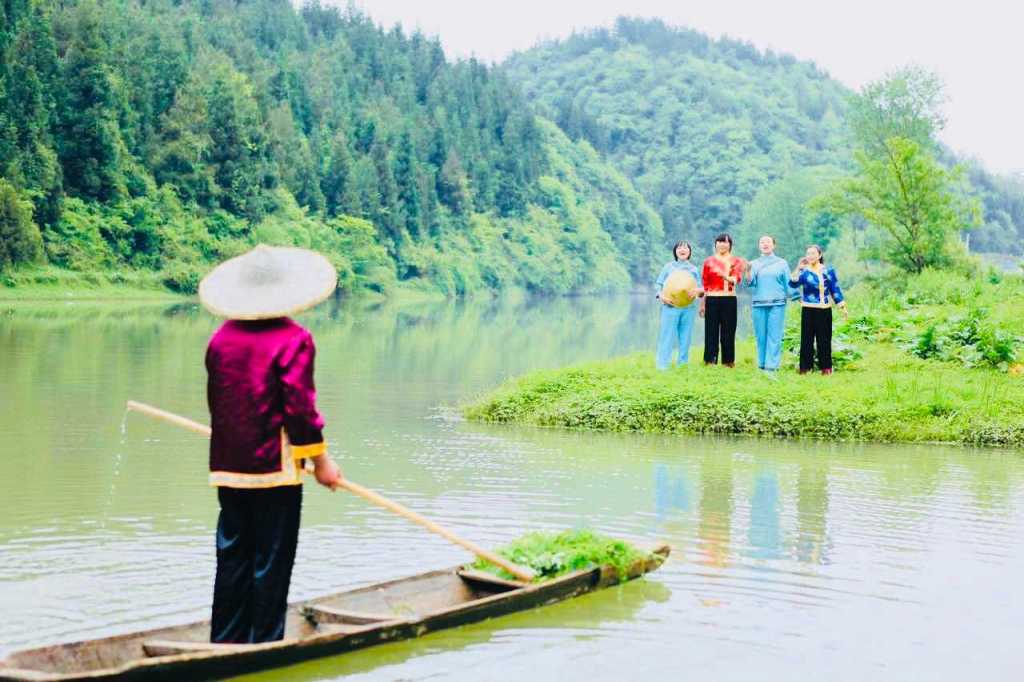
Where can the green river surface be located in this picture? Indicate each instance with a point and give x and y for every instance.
(791, 560)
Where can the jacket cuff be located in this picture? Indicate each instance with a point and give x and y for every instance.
(309, 451)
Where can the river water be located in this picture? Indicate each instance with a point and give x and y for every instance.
(791, 560)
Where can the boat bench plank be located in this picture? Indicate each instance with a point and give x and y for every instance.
(329, 614)
(168, 647)
(338, 628)
(481, 577)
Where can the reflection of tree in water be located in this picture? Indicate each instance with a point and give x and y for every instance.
(612, 609)
(486, 341)
(716, 504)
(812, 543)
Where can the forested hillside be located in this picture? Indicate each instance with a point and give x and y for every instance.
(161, 136)
(702, 126)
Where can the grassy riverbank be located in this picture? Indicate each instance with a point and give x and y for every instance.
(934, 360)
(49, 283)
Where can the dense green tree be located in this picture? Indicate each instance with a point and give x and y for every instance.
(1002, 228)
(179, 159)
(783, 209)
(406, 175)
(92, 151)
(366, 187)
(338, 185)
(907, 194)
(296, 166)
(387, 214)
(900, 187)
(906, 103)
(27, 79)
(453, 186)
(20, 240)
(187, 130)
(239, 153)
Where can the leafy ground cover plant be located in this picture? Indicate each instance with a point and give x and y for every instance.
(968, 340)
(554, 554)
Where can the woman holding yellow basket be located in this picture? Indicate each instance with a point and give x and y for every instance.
(678, 286)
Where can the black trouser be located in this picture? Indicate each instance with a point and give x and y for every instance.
(720, 326)
(815, 329)
(257, 533)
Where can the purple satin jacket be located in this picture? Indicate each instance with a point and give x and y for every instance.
(262, 403)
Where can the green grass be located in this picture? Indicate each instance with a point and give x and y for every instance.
(553, 554)
(44, 283)
(51, 283)
(972, 393)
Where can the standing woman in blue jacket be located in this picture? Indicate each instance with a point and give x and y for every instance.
(677, 323)
(819, 289)
(769, 278)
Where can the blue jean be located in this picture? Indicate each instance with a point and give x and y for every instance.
(676, 328)
(769, 323)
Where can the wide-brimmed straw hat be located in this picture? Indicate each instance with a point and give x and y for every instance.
(268, 282)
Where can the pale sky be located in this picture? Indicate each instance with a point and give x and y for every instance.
(976, 47)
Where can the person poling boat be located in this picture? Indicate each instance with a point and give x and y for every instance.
(265, 425)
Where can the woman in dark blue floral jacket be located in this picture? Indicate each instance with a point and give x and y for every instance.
(819, 289)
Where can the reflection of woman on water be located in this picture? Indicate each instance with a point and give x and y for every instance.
(769, 277)
(819, 289)
(677, 320)
(722, 272)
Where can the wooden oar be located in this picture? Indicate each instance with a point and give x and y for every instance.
(519, 571)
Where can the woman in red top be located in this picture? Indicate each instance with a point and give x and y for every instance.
(722, 273)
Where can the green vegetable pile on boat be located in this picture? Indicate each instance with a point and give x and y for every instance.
(554, 554)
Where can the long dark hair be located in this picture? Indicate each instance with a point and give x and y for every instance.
(682, 242)
(725, 237)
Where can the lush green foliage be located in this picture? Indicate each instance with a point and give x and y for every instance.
(885, 391)
(700, 125)
(784, 209)
(911, 199)
(19, 238)
(167, 135)
(1002, 227)
(705, 127)
(907, 104)
(899, 187)
(553, 554)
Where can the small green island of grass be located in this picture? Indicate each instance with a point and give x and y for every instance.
(933, 358)
(551, 555)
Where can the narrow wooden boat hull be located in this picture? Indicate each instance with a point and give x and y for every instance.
(326, 626)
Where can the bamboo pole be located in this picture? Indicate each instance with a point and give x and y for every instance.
(520, 572)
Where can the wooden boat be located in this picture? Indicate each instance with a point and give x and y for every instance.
(326, 626)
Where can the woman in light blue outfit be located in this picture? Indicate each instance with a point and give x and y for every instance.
(677, 323)
(769, 278)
